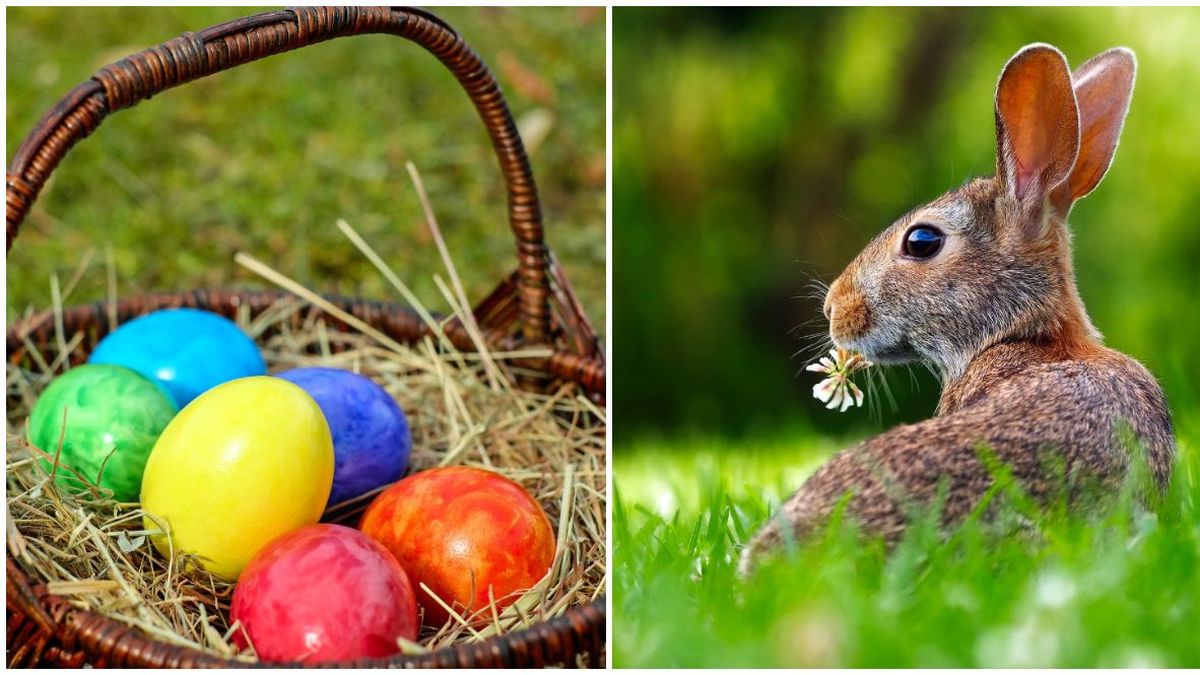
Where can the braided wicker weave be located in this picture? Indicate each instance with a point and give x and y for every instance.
(534, 306)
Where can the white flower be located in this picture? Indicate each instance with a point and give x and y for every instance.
(836, 390)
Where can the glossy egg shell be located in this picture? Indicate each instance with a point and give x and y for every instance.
(371, 439)
(324, 592)
(461, 531)
(188, 350)
(113, 418)
(242, 464)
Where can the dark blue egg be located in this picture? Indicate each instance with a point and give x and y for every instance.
(371, 439)
(188, 351)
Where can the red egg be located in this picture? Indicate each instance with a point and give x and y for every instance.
(462, 531)
(324, 592)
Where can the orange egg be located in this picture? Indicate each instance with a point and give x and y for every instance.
(463, 532)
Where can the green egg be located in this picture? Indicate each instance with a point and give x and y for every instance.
(113, 418)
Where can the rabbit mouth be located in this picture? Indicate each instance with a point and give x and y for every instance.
(882, 349)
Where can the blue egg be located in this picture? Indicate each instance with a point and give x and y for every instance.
(188, 351)
(371, 440)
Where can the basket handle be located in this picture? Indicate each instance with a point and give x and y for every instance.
(195, 55)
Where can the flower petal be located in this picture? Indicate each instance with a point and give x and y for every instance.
(824, 389)
(838, 395)
(858, 393)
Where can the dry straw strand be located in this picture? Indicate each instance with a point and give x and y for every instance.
(465, 315)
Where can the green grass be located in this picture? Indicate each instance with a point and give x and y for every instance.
(1118, 590)
(266, 157)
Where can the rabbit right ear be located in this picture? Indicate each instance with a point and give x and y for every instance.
(1037, 124)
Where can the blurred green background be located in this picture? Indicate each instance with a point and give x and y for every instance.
(754, 149)
(265, 158)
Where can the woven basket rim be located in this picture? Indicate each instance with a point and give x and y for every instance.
(588, 370)
(580, 621)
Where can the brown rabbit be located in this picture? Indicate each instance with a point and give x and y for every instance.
(979, 284)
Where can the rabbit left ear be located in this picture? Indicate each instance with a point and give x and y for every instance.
(1037, 124)
(1103, 87)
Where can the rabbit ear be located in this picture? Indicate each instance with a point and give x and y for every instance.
(1037, 123)
(1103, 87)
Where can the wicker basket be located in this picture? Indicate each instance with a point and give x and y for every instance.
(533, 306)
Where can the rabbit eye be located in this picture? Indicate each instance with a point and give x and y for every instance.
(923, 241)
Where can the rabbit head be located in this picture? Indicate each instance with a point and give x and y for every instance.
(991, 260)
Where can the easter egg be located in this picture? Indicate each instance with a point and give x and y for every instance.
(371, 441)
(321, 593)
(242, 464)
(188, 350)
(113, 418)
(463, 532)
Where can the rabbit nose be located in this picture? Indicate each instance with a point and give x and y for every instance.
(834, 291)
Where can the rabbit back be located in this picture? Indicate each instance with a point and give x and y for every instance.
(1050, 422)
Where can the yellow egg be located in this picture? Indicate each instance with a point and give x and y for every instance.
(242, 464)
